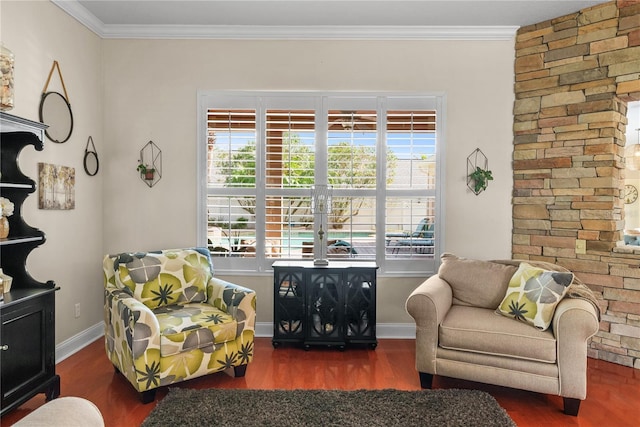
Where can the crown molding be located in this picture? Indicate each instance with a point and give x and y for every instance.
(307, 33)
(266, 32)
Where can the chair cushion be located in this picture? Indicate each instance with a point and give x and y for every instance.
(533, 294)
(190, 326)
(165, 277)
(481, 330)
(474, 282)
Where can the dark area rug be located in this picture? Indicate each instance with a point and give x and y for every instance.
(239, 407)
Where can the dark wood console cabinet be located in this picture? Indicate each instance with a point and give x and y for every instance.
(332, 305)
(27, 312)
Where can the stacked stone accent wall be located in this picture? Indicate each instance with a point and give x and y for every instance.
(574, 76)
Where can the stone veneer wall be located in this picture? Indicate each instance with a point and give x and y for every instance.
(574, 77)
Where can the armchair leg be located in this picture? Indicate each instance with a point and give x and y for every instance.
(426, 380)
(239, 371)
(148, 396)
(571, 406)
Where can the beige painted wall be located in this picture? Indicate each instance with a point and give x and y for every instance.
(38, 33)
(150, 94)
(127, 92)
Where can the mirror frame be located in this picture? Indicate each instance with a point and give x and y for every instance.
(46, 131)
(87, 154)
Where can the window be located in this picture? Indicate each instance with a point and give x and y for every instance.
(631, 187)
(262, 153)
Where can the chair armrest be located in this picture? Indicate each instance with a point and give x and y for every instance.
(574, 322)
(234, 299)
(428, 304)
(130, 323)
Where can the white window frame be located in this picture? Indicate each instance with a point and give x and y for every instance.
(260, 265)
(632, 137)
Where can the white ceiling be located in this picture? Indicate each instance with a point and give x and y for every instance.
(314, 18)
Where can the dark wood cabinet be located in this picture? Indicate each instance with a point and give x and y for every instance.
(28, 358)
(332, 305)
(27, 312)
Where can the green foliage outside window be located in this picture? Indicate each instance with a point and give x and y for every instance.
(349, 166)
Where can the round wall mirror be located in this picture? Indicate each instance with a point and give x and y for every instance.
(91, 162)
(55, 112)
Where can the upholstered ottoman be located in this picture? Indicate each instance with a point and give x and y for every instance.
(64, 412)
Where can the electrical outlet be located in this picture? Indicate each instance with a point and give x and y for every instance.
(77, 310)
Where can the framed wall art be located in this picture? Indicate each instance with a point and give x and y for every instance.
(56, 187)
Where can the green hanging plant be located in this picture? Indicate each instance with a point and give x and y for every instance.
(145, 170)
(480, 178)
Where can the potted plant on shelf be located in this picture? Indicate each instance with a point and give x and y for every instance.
(480, 178)
(145, 170)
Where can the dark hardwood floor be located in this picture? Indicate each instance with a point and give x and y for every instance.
(613, 390)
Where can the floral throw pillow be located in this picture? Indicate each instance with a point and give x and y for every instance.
(533, 294)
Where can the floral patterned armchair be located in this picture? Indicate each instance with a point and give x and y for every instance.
(167, 319)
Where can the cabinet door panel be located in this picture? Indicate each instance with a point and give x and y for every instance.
(24, 360)
(361, 304)
(325, 305)
(289, 299)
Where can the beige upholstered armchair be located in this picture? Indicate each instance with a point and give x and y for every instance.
(167, 319)
(475, 321)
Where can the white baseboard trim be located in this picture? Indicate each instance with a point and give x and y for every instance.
(263, 329)
(396, 330)
(79, 341)
(383, 330)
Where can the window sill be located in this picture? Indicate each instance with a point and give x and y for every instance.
(627, 249)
